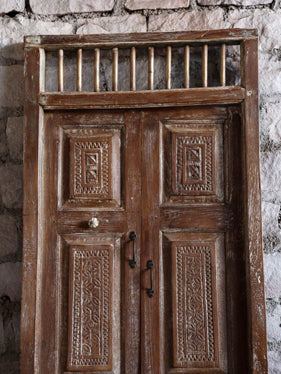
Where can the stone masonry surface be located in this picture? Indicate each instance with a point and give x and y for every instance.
(19, 18)
(70, 6)
(11, 5)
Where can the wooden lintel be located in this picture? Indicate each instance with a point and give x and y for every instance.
(53, 42)
(143, 99)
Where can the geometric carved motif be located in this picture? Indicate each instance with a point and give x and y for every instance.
(194, 169)
(91, 168)
(90, 340)
(195, 326)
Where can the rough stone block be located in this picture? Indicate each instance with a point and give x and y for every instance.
(2, 335)
(11, 185)
(272, 274)
(273, 322)
(8, 235)
(270, 121)
(12, 31)
(156, 4)
(234, 2)
(12, 86)
(70, 6)
(271, 243)
(269, 74)
(16, 329)
(195, 20)
(10, 280)
(7, 6)
(274, 359)
(270, 214)
(9, 328)
(15, 137)
(270, 172)
(3, 145)
(131, 23)
(265, 20)
(10, 367)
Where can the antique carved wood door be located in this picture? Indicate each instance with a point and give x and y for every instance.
(191, 225)
(91, 202)
(142, 231)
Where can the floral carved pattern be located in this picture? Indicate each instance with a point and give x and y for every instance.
(195, 324)
(194, 164)
(91, 172)
(90, 333)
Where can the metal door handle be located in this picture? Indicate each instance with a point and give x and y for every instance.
(150, 266)
(133, 237)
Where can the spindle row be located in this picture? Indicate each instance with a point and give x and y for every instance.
(115, 54)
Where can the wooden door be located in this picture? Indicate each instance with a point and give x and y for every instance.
(142, 227)
(169, 175)
(89, 296)
(192, 230)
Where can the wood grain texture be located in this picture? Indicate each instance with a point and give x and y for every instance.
(236, 299)
(253, 237)
(151, 68)
(60, 70)
(143, 99)
(132, 277)
(223, 65)
(168, 67)
(232, 36)
(34, 58)
(150, 307)
(208, 217)
(186, 66)
(133, 69)
(115, 69)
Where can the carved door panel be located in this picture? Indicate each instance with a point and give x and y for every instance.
(89, 298)
(193, 233)
(169, 175)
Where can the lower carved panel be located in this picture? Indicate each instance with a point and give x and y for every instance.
(90, 337)
(195, 322)
(198, 302)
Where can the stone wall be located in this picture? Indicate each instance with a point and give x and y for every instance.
(21, 17)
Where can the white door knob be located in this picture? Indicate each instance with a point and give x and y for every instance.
(93, 222)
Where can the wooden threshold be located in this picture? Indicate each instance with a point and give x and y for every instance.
(142, 99)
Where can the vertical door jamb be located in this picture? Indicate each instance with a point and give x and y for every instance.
(34, 83)
(253, 239)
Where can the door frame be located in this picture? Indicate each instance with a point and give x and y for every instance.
(37, 101)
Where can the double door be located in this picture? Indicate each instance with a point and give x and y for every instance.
(173, 177)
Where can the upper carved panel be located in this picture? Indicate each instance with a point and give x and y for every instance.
(194, 164)
(91, 167)
(193, 167)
